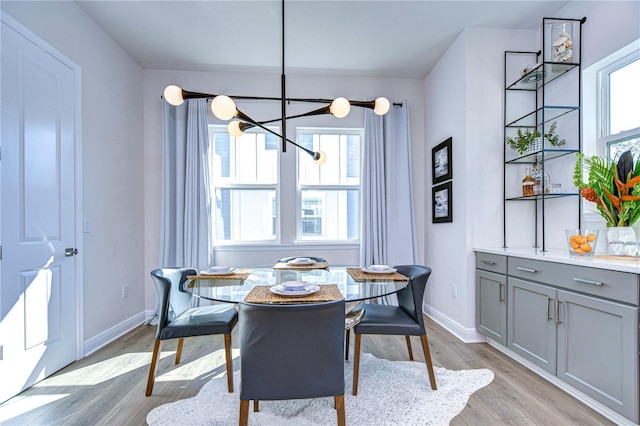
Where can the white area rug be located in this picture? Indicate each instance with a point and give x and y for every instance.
(389, 393)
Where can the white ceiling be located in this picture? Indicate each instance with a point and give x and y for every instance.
(349, 37)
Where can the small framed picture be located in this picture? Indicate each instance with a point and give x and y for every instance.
(442, 198)
(441, 161)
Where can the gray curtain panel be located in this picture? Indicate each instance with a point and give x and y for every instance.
(185, 235)
(388, 224)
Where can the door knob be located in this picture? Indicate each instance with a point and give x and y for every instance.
(70, 251)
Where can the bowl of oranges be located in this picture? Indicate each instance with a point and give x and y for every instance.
(582, 242)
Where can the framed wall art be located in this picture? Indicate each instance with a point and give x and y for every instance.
(441, 161)
(441, 202)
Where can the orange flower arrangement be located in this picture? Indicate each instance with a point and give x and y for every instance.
(613, 187)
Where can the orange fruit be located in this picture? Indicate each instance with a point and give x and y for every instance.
(591, 237)
(585, 247)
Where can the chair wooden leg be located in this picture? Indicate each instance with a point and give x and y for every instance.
(152, 367)
(427, 358)
(179, 350)
(346, 345)
(256, 405)
(356, 363)
(339, 403)
(409, 347)
(227, 354)
(244, 412)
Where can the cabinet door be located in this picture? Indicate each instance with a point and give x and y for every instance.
(597, 341)
(491, 306)
(531, 328)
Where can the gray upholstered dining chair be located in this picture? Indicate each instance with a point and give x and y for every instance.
(291, 351)
(178, 320)
(405, 319)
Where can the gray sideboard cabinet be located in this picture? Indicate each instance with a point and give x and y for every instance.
(491, 296)
(578, 323)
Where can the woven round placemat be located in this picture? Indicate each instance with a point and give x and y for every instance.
(239, 274)
(359, 275)
(262, 294)
(317, 265)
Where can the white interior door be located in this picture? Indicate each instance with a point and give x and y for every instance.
(38, 281)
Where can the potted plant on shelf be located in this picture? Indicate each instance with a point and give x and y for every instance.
(615, 189)
(528, 139)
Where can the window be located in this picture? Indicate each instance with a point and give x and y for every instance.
(248, 191)
(619, 103)
(244, 175)
(329, 195)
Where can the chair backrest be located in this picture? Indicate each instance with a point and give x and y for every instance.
(291, 351)
(410, 297)
(173, 301)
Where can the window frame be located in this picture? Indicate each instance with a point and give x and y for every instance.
(218, 128)
(605, 138)
(310, 187)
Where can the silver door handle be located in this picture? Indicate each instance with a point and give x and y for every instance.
(526, 269)
(583, 281)
(70, 251)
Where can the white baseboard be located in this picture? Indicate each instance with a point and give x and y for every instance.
(467, 335)
(570, 390)
(98, 341)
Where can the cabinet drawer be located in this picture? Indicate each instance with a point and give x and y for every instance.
(491, 262)
(614, 285)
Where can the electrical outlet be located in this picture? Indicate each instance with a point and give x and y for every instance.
(125, 291)
(454, 290)
(86, 227)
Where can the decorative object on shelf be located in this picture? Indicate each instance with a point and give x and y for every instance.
(531, 140)
(582, 242)
(441, 161)
(224, 107)
(532, 73)
(527, 184)
(614, 188)
(442, 198)
(540, 180)
(562, 42)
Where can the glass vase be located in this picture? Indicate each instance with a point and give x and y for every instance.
(617, 237)
(562, 42)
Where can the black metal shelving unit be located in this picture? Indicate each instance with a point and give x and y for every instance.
(535, 83)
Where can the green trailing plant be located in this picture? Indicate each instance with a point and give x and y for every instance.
(613, 187)
(524, 139)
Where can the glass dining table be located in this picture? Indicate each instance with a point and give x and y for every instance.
(225, 289)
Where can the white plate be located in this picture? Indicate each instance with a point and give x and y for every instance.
(371, 271)
(310, 289)
(294, 285)
(306, 261)
(210, 272)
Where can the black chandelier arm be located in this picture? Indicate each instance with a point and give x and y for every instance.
(243, 116)
(198, 95)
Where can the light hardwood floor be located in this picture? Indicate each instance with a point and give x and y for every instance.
(107, 387)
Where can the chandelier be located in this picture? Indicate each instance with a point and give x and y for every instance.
(224, 108)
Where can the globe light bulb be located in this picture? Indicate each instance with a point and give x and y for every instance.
(173, 95)
(234, 128)
(223, 107)
(340, 107)
(381, 106)
(320, 158)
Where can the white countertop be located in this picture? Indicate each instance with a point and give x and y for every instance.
(562, 256)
